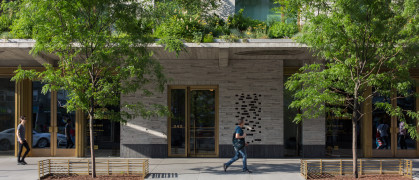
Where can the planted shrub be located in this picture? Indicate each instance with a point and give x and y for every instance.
(208, 38)
(283, 30)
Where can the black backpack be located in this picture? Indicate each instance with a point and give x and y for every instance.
(238, 143)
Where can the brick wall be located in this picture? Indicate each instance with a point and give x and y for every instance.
(147, 138)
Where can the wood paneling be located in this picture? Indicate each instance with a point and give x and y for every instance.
(23, 95)
(80, 129)
(366, 140)
(9, 71)
(417, 109)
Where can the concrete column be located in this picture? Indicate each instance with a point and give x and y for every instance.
(314, 137)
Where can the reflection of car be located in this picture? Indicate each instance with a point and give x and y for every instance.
(7, 139)
(40, 140)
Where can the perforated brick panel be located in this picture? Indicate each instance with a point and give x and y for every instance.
(248, 107)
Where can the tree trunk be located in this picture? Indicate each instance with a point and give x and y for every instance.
(92, 143)
(355, 117)
(354, 150)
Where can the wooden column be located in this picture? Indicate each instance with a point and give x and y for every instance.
(417, 109)
(80, 131)
(53, 124)
(366, 140)
(23, 104)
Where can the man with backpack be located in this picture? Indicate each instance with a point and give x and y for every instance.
(239, 147)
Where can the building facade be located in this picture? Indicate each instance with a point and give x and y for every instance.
(211, 86)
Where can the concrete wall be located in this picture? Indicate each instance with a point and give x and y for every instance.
(226, 8)
(261, 80)
(314, 137)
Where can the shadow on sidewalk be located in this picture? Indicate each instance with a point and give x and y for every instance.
(256, 168)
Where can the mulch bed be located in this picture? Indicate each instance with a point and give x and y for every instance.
(83, 177)
(369, 177)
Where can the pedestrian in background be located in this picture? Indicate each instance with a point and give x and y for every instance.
(20, 133)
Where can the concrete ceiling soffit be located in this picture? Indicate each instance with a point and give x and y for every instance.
(269, 52)
(42, 58)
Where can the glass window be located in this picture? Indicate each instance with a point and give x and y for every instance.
(404, 141)
(260, 10)
(41, 116)
(339, 135)
(177, 108)
(65, 122)
(7, 116)
(106, 136)
(381, 124)
(202, 122)
(292, 131)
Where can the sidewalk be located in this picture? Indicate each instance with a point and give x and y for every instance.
(179, 168)
(187, 169)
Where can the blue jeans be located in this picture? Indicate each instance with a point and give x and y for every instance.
(241, 152)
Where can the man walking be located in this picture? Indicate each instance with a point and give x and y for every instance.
(239, 147)
(20, 133)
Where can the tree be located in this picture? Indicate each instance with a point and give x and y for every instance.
(362, 44)
(101, 45)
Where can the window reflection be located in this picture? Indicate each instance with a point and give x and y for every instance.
(202, 122)
(404, 141)
(65, 122)
(41, 116)
(339, 135)
(177, 108)
(260, 10)
(7, 116)
(292, 131)
(381, 124)
(106, 136)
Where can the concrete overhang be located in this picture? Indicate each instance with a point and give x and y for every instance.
(15, 52)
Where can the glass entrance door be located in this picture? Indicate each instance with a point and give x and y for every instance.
(41, 121)
(193, 124)
(202, 122)
(406, 146)
(64, 122)
(390, 137)
(53, 128)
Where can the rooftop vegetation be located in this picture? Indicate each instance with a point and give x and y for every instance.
(176, 22)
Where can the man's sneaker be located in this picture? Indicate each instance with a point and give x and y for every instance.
(23, 162)
(20, 163)
(248, 171)
(225, 167)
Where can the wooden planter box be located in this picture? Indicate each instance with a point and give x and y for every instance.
(83, 167)
(323, 168)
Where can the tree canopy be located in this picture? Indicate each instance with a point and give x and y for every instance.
(360, 44)
(363, 44)
(102, 51)
(101, 47)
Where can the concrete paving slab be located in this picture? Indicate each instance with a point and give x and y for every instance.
(178, 168)
(186, 169)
